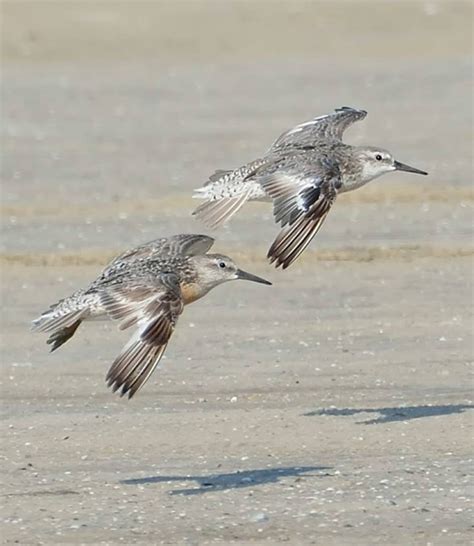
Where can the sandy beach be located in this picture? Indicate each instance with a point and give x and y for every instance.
(333, 408)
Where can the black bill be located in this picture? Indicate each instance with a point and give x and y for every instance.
(402, 167)
(249, 277)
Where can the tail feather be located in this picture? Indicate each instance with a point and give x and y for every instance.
(52, 320)
(58, 338)
(216, 212)
(62, 319)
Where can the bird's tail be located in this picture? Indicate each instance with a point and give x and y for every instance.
(59, 337)
(62, 319)
(224, 193)
(216, 211)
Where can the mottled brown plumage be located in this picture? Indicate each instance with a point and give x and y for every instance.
(145, 288)
(301, 173)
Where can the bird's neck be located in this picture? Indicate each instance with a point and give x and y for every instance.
(351, 168)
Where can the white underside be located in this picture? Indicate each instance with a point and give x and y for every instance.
(223, 191)
(97, 317)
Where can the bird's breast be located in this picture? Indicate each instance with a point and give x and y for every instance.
(191, 292)
(350, 183)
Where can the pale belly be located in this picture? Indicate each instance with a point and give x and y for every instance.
(350, 186)
(96, 310)
(258, 194)
(94, 317)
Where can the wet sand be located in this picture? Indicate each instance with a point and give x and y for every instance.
(333, 408)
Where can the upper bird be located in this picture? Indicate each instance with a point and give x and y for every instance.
(302, 173)
(146, 287)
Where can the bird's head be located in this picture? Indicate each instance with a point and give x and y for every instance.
(215, 269)
(375, 162)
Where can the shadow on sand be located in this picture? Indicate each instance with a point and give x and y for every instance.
(390, 415)
(233, 480)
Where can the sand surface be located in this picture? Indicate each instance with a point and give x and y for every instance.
(333, 408)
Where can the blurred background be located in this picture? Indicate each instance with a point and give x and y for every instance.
(341, 416)
(114, 111)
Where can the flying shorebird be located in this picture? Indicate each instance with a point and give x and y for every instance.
(146, 287)
(302, 173)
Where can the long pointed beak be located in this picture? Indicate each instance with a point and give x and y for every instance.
(249, 277)
(402, 167)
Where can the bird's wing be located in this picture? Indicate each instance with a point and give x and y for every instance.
(189, 244)
(141, 251)
(329, 126)
(153, 305)
(303, 193)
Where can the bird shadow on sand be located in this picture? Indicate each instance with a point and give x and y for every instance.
(233, 480)
(391, 415)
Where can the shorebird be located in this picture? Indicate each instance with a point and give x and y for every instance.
(302, 173)
(146, 287)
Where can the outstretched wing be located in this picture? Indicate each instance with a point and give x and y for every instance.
(329, 126)
(186, 244)
(153, 305)
(140, 251)
(189, 244)
(303, 194)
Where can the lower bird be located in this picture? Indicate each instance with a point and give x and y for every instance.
(147, 288)
(302, 173)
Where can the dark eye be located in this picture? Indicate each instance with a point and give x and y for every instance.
(222, 265)
(378, 157)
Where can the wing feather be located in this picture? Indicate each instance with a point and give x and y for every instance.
(154, 307)
(303, 194)
(293, 240)
(329, 126)
(187, 244)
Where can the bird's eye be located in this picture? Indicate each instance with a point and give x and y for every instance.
(222, 265)
(378, 157)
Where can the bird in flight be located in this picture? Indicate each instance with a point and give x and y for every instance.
(145, 288)
(301, 174)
